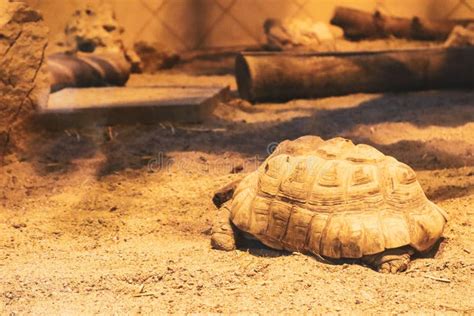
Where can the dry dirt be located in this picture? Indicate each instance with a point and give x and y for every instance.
(117, 220)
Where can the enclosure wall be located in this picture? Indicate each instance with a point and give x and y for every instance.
(194, 24)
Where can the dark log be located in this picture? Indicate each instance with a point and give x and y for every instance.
(87, 70)
(363, 25)
(285, 76)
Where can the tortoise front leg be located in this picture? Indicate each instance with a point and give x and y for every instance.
(391, 260)
(224, 234)
(225, 193)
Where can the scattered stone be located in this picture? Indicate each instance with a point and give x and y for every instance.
(242, 105)
(19, 225)
(24, 84)
(300, 34)
(461, 36)
(155, 57)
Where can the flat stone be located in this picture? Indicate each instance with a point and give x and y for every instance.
(128, 105)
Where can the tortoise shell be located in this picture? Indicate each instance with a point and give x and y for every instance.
(335, 199)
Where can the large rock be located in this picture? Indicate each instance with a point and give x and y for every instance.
(94, 28)
(24, 83)
(155, 57)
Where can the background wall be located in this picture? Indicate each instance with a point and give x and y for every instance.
(196, 24)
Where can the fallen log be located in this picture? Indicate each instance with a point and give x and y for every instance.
(87, 70)
(363, 25)
(279, 77)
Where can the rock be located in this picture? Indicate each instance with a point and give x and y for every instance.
(19, 225)
(155, 57)
(94, 28)
(461, 36)
(300, 34)
(24, 81)
(134, 60)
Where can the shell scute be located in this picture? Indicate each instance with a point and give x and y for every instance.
(271, 178)
(316, 226)
(294, 185)
(328, 190)
(395, 229)
(403, 191)
(278, 221)
(298, 228)
(259, 216)
(362, 153)
(334, 148)
(425, 227)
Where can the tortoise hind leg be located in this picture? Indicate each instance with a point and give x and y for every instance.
(224, 234)
(390, 260)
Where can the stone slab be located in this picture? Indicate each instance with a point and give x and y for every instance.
(74, 107)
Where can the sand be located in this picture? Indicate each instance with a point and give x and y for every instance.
(117, 220)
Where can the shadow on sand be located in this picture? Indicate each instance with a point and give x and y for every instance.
(131, 147)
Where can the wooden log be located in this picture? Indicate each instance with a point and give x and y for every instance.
(284, 76)
(87, 70)
(363, 25)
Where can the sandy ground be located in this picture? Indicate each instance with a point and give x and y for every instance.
(118, 221)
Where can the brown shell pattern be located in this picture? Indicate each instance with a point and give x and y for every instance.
(335, 199)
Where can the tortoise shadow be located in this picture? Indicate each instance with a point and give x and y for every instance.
(424, 108)
(431, 253)
(258, 249)
(447, 192)
(134, 146)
